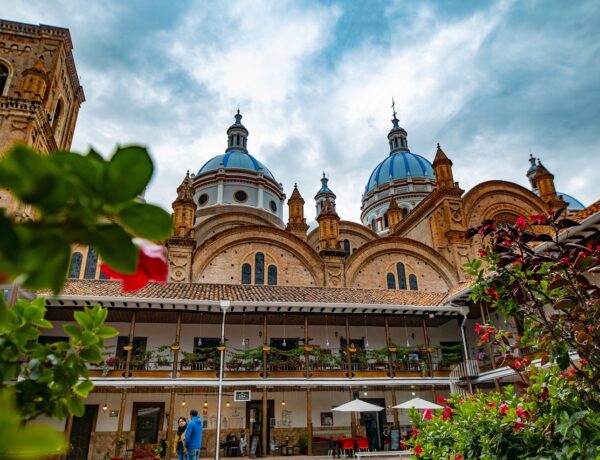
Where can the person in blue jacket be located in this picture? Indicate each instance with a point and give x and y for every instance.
(193, 436)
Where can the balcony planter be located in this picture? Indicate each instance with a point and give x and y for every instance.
(266, 348)
(392, 349)
(175, 347)
(128, 347)
(352, 349)
(308, 348)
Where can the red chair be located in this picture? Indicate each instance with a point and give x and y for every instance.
(362, 444)
(347, 444)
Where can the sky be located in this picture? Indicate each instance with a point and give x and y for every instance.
(491, 81)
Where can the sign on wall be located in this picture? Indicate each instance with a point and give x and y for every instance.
(242, 395)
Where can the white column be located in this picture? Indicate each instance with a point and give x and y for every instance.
(261, 189)
(220, 192)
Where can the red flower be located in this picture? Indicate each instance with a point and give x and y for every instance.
(492, 292)
(482, 253)
(427, 414)
(152, 266)
(485, 337)
(503, 409)
(564, 260)
(519, 425)
(446, 413)
(478, 328)
(517, 364)
(458, 457)
(491, 404)
(521, 223)
(544, 393)
(441, 399)
(414, 432)
(538, 219)
(418, 450)
(523, 413)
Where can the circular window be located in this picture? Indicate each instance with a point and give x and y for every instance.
(273, 206)
(240, 196)
(203, 199)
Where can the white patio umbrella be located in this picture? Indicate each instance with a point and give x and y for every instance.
(358, 405)
(418, 403)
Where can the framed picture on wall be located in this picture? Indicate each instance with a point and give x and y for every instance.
(326, 418)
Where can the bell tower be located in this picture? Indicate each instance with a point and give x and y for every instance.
(442, 166)
(182, 244)
(296, 221)
(544, 184)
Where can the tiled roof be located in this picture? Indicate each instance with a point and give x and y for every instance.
(216, 292)
(587, 212)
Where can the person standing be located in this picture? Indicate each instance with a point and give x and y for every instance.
(243, 442)
(193, 436)
(181, 426)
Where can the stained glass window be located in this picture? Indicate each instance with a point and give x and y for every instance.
(75, 269)
(272, 275)
(259, 268)
(246, 274)
(401, 275)
(90, 265)
(391, 281)
(412, 282)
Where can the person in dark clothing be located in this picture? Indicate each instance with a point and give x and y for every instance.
(193, 436)
(181, 426)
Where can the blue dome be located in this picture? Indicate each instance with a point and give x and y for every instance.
(398, 166)
(572, 203)
(236, 159)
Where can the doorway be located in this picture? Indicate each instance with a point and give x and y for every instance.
(147, 422)
(374, 423)
(254, 417)
(81, 433)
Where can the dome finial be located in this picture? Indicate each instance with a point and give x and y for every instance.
(395, 120)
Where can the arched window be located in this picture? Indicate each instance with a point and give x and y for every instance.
(412, 283)
(3, 77)
(90, 265)
(386, 222)
(246, 274)
(75, 268)
(391, 281)
(272, 275)
(374, 225)
(401, 275)
(57, 114)
(347, 248)
(404, 212)
(259, 268)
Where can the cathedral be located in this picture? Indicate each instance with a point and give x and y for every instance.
(315, 310)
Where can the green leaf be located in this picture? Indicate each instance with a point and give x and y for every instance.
(84, 320)
(83, 388)
(116, 248)
(75, 406)
(107, 332)
(92, 354)
(127, 174)
(72, 331)
(147, 221)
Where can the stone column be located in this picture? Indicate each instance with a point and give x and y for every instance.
(170, 424)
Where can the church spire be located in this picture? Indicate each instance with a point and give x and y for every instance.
(544, 184)
(397, 135)
(237, 134)
(442, 167)
(184, 209)
(324, 194)
(296, 221)
(531, 171)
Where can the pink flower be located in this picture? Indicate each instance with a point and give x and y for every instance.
(418, 450)
(521, 223)
(427, 414)
(152, 266)
(503, 409)
(458, 457)
(446, 413)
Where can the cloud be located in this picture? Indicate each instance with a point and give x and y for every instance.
(488, 80)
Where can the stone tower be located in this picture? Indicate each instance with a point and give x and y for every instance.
(296, 221)
(442, 167)
(40, 94)
(181, 245)
(544, 184)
